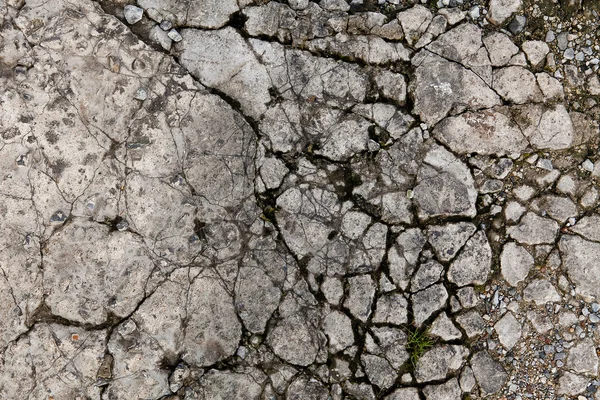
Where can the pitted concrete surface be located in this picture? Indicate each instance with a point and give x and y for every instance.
(254, 199)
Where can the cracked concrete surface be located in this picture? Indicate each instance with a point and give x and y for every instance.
(254, 199)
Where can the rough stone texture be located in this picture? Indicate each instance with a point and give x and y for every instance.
(508, 330)
(572, 384)
(438, 362)
(467, 380)
(580, 259)
(379, 371)
(534, 229)
(427, 274)
(550, 87)
(546, 128)
(484, 132)
(536, 51)
(414, 22)
(360, 296)
(238, 73)
(444, 328)
(445, 186)
(541, 292)
(293, 338)
(442, 87)
(445, 391)
(133, 14)
(391, 309)
(583, 358)
(404, 394)
(338, 328)
(282, 199)
(448, 239)
(458, 44)
(501, 10)
(473, 264)
(392, 345)
(81, 299)
(230, 385)
(515, 262)
(500, 48)
(489, 374)
(472, 323)
(428, 301)
(557, 207)
(589, 227)
(404, 256)
(206, 14)
(516, 85)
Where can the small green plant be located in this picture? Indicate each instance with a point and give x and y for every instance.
(418, 342)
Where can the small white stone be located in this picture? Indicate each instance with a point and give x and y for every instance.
(133, 14)
(545, 163)
(513, 211)
(141, 94)
(474, 12)
(588, 165)
(532, 159)
(175, 36)
(166, 25)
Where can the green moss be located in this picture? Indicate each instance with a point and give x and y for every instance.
(479, 288)
(418, 342)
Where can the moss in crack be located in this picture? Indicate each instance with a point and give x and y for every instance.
(268, 214)
(267, 201)
(418, 341)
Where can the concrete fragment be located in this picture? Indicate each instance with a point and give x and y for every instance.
(239, 74)
(404, 394)
(445, 186)
(444, 328)
(438, 362)
(445, 391)
(473, 264)
(414, 22)
(489, 374)
(515, 263)
(500, 48)
(541, 292)
(550, 86)
(580, 259)
(338, 328)
(427, 302)
(583, 358)
(458, 44)
(501, 10)
(360, 296)
(208, 14)
(572, 384)
(379, 371)
(427, 274)
(536, 51)
(508, 330)
(516, 85)
(448, 239)
(441, 87)
(472, 323)
(391, 309)
(484, 132)
(534, 229)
